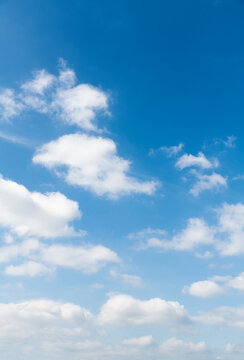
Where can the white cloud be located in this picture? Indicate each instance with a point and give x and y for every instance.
(208, 182)
(197, 233)
(41, 81)
(35, 214)
(133, 280)
(226, 236)
(91, 162)
(175, 348)
(237, 282)
(142, 341)
(46, 93)
(34, 321)
(79, 105)
(204, 289)
(23, 249)
(30, 268)
(189, 160)
(172, 150)
(67, 77)
(231, 227)
(124, 309)
(10, 106)
(87, 258)
(225, 315)
(211, 288)
(43, 259)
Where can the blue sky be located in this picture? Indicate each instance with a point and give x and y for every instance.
(121, 188)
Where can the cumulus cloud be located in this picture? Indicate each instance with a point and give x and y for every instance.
(124, 309)
(31, 323)
(44, 328)
(75, 104)
(189, 160)
(78, 105)
(43, 259)
(92, 163)
(217, 285)
(204, 289)
(35, 214)
(208, 182)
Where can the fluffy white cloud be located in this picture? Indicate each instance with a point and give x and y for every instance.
(189, 160)
(204, 289)
(196, 233)
(42, 328)
(79, 105)
(47, 93)
(208, 182)
(211, 287)
(172, 150)
(133, 280)
(124, 309)
(142, 341)
(174, 347)
(44, 259)
(35, 214)
(87, 258)
(91, 162)
(29, 324)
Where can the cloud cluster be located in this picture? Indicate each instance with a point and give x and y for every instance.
(196, 165)
(217, 285)
(42, 259)
(44, 328)
(47, 93)
(226, 236)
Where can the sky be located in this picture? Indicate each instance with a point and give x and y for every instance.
(121, 180)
